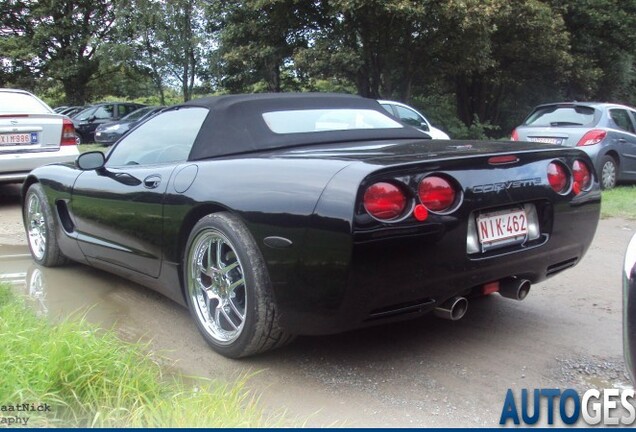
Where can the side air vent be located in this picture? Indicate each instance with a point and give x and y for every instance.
(65, 217)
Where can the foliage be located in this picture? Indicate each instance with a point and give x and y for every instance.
(487, 62)
(90, 378)
(58, 40)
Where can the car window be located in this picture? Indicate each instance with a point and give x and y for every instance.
(165, 138)
(622, 120)
(104, 112)
(137, 114)
(388, 109)
(11, 103)
(554, 115)
(130, 108)
(121, 110)
(409, 117)
(323, 120)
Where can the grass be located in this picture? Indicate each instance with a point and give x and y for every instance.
(83, 148)
(619, 202)
(90, 378)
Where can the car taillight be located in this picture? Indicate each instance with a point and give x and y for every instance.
(557, 177)
(384, 201)
(436, 193)
(592, 137)
(68, 133)
(581, 176)
(515, 135)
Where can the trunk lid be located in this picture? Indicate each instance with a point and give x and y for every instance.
(30, 132)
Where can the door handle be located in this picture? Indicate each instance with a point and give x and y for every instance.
(622, 140)
(152, 181)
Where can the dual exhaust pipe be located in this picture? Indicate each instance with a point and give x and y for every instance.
(455, 308)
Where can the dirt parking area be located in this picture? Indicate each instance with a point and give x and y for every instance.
(421, 373)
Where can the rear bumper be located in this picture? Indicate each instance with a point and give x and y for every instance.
(14, 167)
(400, 278)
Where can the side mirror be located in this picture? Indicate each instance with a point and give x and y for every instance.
(91, 118)
(90, 161)
(424, 126)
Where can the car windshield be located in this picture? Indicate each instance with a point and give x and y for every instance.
(137, 114)
(18, 103)
(554, 115)
(322, 120)
(84, 114)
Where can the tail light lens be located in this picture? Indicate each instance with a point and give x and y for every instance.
(581, 176)
(515, 135)
(68, 133)
(558, 177)
(592, 137)
(436, 193)
(384, 201)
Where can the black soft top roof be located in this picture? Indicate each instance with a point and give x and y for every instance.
(235, 123)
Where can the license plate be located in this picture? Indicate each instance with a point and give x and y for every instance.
(546, 140)
(19, 138)
(504, 226)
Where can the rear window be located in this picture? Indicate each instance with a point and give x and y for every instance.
(323, 120)
(563, 116)
(20, 103)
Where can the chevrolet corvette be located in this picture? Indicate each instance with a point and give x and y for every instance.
(275, 215)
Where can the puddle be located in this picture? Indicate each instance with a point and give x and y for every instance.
(72, 290)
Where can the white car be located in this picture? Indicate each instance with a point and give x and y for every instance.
(31, 134)
(412, 117)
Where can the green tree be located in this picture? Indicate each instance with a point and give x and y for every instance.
(56, 39)
(169, 38)
(257, 39)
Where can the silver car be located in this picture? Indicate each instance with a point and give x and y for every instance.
(31, 134)
(606, 132)
(629, 308)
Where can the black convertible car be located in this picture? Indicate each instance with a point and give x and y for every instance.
(276, 215)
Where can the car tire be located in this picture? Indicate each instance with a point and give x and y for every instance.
(608, 172)
(78, 139)
(228, 289)
(41, 228)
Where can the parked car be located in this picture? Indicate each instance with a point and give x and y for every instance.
(276, 215)
(410, 116)
(629, 308)
(71, 111)
(86, 121)
(108, 133)
(31, 134)
(604, 131)
(60, 108)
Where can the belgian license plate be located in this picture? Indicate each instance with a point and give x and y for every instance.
(18, 138)
(502, 227)
(546, 140)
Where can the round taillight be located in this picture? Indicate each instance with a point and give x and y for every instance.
(436, 193)
(384, 201)
(581, 176)
(557, 177)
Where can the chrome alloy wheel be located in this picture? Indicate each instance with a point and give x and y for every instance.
(36, 226)
(216, 286)
(608, 174)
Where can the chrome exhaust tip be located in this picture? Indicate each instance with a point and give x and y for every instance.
(515, 288)
(452, 309)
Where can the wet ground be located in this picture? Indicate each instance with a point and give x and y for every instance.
(421, 373)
